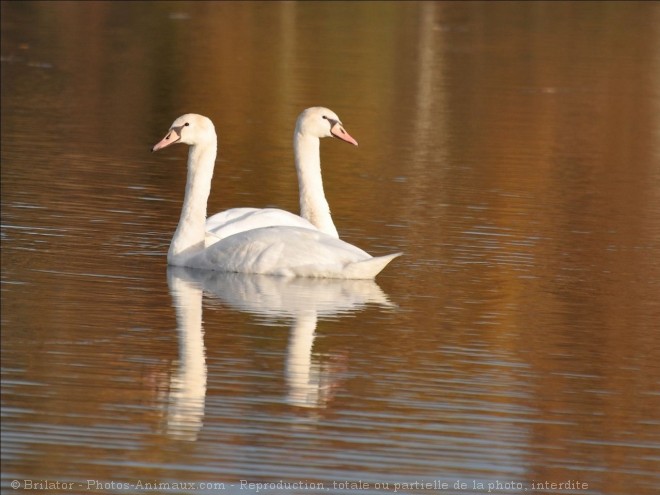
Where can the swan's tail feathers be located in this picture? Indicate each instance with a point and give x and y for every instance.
(368, 269)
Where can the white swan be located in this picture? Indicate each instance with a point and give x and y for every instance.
(277, 250)
(312, 124)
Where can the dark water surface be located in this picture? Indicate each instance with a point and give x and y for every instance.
(511, 150)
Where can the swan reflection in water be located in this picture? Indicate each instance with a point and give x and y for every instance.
(302, 300)
(187, 391)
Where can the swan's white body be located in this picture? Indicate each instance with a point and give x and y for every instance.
(312, 125)
(276, 250)
(235, 220)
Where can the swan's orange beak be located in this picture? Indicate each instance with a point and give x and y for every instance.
(339, 132)
(172, 137)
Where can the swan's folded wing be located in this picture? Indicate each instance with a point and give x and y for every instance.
(236, 220)
(232, 215)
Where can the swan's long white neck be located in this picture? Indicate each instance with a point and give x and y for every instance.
(189, 236)
(313, 205)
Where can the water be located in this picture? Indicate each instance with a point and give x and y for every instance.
(512, 151)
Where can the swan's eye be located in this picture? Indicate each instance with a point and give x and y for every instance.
(326, 118)
(186, 124)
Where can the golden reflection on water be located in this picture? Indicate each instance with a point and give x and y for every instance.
(511, 150)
